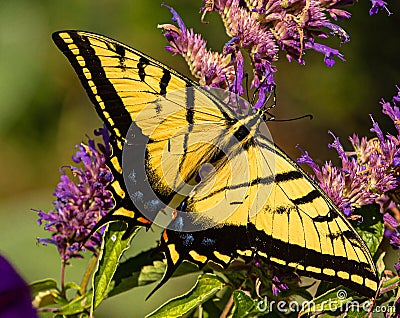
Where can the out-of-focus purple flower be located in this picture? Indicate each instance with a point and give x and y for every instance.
(15, 296)
(80, 201)
(368, 174)
(378, 5)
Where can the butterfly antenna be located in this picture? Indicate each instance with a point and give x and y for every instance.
(274, 104)
(246, 76)
(273, 91)
(295, 118)
(264, 109)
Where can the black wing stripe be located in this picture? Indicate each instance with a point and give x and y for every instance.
(280, 177)
(115, 108)
(308, 198)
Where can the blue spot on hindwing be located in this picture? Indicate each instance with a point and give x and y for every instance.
(187, 239)
(153, 205)
(208, 241)
(132, 176)
(137, 197)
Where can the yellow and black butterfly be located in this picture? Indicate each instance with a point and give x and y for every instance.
(272, 209)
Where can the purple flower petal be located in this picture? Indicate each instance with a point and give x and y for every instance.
(306, 159)
(176, 17)
(337, 30)
(278, 286)
(397, 268)
(396, 98)
(390, 220)
(377, 130)
(378, 5)
(327, 51)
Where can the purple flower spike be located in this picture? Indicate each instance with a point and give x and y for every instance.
(262, 29)
(80, 202)
(15, 296)
(391, 230)
(369, 174)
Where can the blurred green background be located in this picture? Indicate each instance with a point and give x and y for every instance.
(44, 111)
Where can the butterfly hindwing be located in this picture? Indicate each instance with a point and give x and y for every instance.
(293, 224)
(252, 198)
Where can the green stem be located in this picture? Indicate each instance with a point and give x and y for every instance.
(88, 274)
(227, 308)
(63, 293)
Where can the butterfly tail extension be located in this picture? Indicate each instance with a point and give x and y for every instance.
(173, 258)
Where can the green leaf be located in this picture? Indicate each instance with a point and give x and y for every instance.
(43, 285)
(245, 306)
(71, 285)
(112, 250)
(78, 305)
(356, 312)
(142, 269)
(45, 292)
(390, 284)
(127, 274)
(206, 287)
(151, 273)
(371, 229)
(186, 268)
